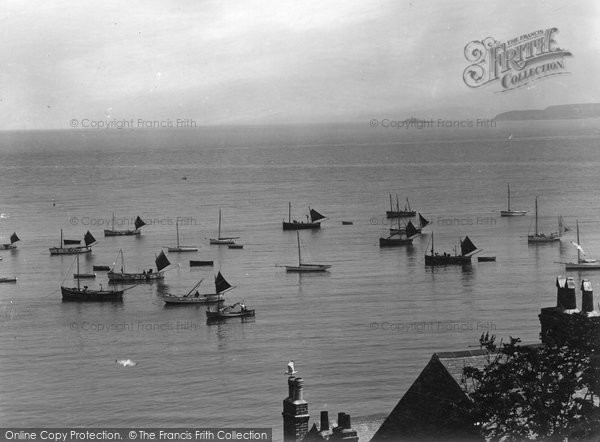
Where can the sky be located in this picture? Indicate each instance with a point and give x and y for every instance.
(236, 62)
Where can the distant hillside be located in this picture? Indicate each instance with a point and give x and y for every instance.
(566, 111)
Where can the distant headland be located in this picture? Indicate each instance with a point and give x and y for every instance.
(562, 112)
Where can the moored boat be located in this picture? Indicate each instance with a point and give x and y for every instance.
(61, 250)
(101, 268)
(582, 263)
(540, 237)
(399, 239)
(13, 239)
(85, 294)
(195, 297)
(8, 279)
(314, 223)
(237, 310)
(221, 240)
(138, 223)
(84, 275)
(161, 262)
(467, 248)
(305, 267)
(509, 211)
(179, 247)
(200, 263)
(407, 212)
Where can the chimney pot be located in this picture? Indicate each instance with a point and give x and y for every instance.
(324, 420)
(587, 296)
(299, 384)
(347, 424)
(291, 387)
(340, 421)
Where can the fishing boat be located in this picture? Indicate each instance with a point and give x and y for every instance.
(101, 268)
(220, 240)
(237, 310)
(397, 213)
(305, 267)
(419, 227)
(71, 241)
(8, 279)
(582, 263)
(467, 250)
(138, 223)
(61, 250)
(195, 297)
(13, 239)
(200, 263)
(315, 220)
(161, 262)
(539, 236)
(509, 211)
(179, 247)
(85, 294)
(400, 239)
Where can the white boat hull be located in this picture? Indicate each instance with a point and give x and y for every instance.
(221, 241)
(542, 239)
(512, 212)
(182, 249)
(69, 250)
(591, 265)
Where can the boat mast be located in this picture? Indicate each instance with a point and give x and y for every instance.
(177, 228)
(579, 244)
(431, 243)
(113, 225)
(289, 212)
(77, 256)
(508, 196)
(219, 237)
(536, 217)
(408, 204)
(391, 206)
(299, 255)
(61, 240)
(397, 206)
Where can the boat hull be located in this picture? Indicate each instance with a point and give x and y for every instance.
(533, 239)
(201, 263)
(223, 315)
(582, 266)
(304, 268)
(121, 232)
(182, 249)
(403, 231)
(296, 225)
(486, 258)
(444, 260)
(84, 275)
(134, 277)
(235, 246)
(221, 241)
(70, 250)
(7, 246)
(512, 212)
(202, 299)
(394, 242)
(8, 279)
(73, 294)
(101, 268)
(400, 213)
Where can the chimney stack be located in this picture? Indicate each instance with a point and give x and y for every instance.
(324, 432)
(344, 429)
(565, 296)
(295, 412)
(587, 296)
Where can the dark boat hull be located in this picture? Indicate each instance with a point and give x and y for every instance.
(220, 315)
(295, 225)
(486, 258)
(444, 260)
(101, 268)
(121, 232)
(400, 213)
(394, 242)
(201, 263)
(83, 295)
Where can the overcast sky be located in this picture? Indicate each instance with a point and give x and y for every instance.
(274, 61)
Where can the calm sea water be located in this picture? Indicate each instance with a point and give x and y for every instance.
(359, 335)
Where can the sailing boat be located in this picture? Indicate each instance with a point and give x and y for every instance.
(195, 297)
(180, 248)
(398, 239)
(467, 250)
(304, 267)
(407, 212)
(315, 220)
(581, 263)
(61, 250)
(161, 262)
(220, 239)
(237, 310)
(539, 236)
(84, 294)
(509, 211)
(13, 239)
(112, 232)
(419, 228)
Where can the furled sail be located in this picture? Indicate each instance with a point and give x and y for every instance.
(162, 261)
(221, 284)
(139, 223)
(89, 238)
(410, 230)
(467, 246)
(315, 216)
(14, 238)
(423, 221)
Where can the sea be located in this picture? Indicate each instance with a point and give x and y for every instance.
(359, 334)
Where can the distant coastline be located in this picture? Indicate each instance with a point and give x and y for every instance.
(562, 112)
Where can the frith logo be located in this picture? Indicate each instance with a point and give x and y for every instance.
(515, 63)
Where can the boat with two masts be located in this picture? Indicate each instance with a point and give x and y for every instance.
(314, 223)
(407, 212)
(179, 247)
(582, 263)
(62, 250)
(13, 239)
(161, 261)
(222, 240)
(400, 239)
(85, 294)
(467, 250)
(195, 297)
(303, 266)
(138, 223)
(541, 237)
(509, 211)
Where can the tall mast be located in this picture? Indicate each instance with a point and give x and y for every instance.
(113, 225)
(299, 255)
(61, 239)
(536, 216)
(432, 243)
(77, 256)
(508, 196)
(177, 228)
(578, 243)
(289, 212)
(397, 205)
(219, 237)
(391, 207)
(408, 204)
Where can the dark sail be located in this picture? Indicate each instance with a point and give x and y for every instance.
(467, 246)
(315, 216)
(220, 284)
(139, 223)
(422, 221)
(89, 238)
(14, 238)
(162, 261)
(410, 230)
